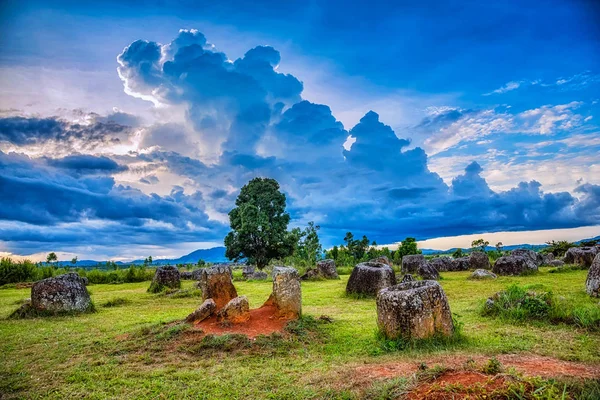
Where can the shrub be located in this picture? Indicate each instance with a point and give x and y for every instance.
(19, 271)
(129, 275)
(518, 303)
(493, 367)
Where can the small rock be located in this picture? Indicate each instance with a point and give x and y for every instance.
(206, 309)
(235, 311)
(407, 278)
(556, 263)
(325, 318)
(483, 274)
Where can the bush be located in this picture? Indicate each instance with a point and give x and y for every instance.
(129, 275)
(13, 272)
(519, 303)
(524, 304)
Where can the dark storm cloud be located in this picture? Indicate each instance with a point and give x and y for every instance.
(23, 131)
(46, 195)
(87, 164)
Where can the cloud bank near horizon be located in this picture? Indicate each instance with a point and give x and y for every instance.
(100, 183)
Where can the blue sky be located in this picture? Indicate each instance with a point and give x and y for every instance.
(128, 129)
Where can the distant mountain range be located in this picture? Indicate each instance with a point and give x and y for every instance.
(213, 255)
(217, 255)
(534, 247)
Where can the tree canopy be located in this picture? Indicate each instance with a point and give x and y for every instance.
(259, 224)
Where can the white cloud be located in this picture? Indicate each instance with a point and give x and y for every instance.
(471, 126)
(573, 82)
(512, 238)
(512, 85)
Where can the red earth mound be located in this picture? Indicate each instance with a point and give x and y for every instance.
(262, 321)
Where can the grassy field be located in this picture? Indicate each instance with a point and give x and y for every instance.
(127, 351)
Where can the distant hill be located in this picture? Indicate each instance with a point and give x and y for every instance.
(535, 247)
(213, 255)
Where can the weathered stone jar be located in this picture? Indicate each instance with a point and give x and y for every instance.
(287, 294)
(479, 260)
(368, 278)
(581, 255)
(514, 265)
(63, 293)
(215, 283)
(414, 310)
(592, 283)
(167, 277)
(411, 263)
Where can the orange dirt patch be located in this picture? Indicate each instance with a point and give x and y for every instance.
(549, 367)
(262, 321)
(458, 385)
(528, 364)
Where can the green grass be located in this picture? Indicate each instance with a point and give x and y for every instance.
(134, 350)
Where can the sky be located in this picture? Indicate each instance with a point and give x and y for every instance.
(128, 128)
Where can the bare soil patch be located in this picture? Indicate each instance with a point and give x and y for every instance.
(528, 364)
(459, 385)
(262, 321)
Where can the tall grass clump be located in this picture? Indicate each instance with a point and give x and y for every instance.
(523, 303)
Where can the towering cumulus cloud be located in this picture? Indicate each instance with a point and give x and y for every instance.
(115, 182)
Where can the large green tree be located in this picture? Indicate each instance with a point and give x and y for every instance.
(259, 225)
